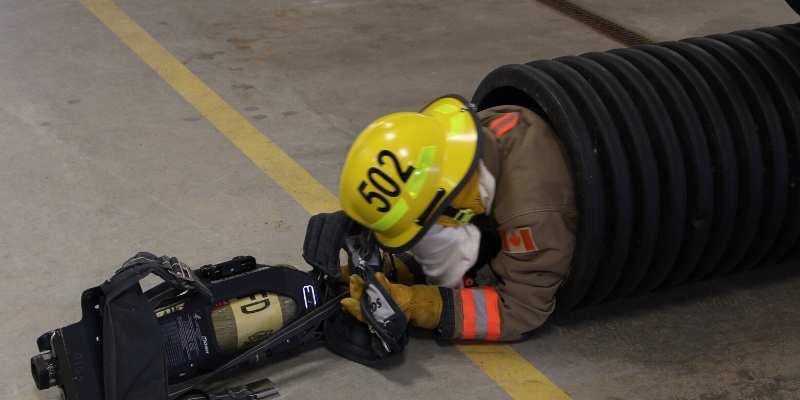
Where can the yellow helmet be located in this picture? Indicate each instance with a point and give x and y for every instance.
(403, 170)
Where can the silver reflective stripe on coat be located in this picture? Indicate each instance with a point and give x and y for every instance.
(481, 323)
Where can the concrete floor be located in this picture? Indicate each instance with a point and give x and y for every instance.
(100, 158)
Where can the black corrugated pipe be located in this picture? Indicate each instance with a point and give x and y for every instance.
(685, 155)
(795, 4)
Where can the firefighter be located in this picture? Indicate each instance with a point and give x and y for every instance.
(480, 205)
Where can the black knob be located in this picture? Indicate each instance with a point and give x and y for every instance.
(43, 369)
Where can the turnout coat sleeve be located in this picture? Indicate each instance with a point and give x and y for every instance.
(535, 209)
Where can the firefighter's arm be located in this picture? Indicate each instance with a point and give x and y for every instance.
(531, 267)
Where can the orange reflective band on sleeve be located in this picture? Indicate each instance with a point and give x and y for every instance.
(492, 313)
(502, 125)
(468, 308)
(481, 313)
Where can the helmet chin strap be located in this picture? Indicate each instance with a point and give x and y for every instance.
(460, 215)
(474, 199)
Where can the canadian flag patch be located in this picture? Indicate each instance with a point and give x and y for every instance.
(518, 241)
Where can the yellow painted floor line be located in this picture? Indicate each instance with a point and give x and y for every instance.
(270, 158)
(515, 375)
(512, 372)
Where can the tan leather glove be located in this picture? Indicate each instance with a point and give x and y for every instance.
(421, 304)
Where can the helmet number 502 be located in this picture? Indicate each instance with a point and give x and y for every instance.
(383, 182)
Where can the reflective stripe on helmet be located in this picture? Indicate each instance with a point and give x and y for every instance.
(420, 174)
(459, 123)
(445, 108)
(390, 218)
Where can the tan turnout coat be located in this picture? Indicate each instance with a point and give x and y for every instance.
(534, 207)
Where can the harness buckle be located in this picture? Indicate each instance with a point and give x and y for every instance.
(464, 215)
